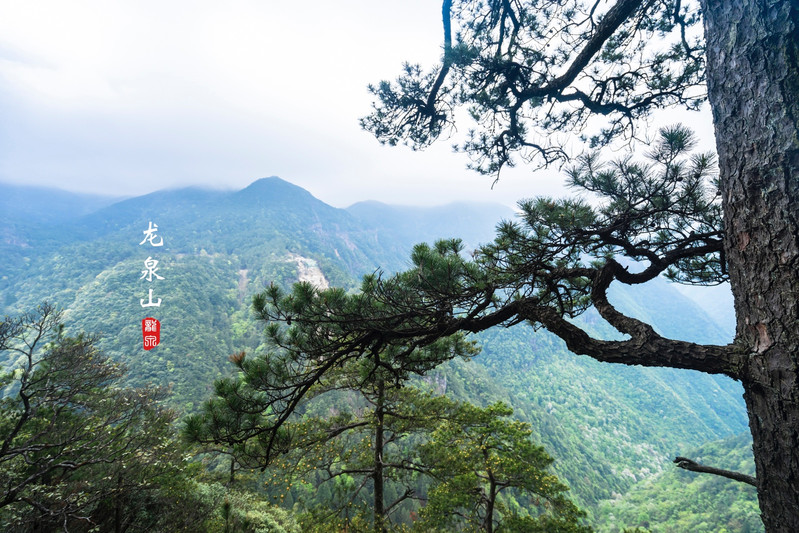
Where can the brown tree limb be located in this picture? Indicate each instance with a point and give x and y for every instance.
(446, 17)
(614, 18)
(646, 348)
(693, 466)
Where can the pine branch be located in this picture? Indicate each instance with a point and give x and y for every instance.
(693, 466)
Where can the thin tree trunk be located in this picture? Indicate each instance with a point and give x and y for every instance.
(492, 498)
(380, 519)
(753, 87)
(118, 505)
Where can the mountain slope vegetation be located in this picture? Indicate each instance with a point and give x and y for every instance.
(676, 500)
(609, 427)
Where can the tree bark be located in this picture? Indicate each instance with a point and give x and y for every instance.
(753, 88)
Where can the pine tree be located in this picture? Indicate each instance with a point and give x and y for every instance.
(536, 75)
(478, 456)
(361, 436)
(77, 450)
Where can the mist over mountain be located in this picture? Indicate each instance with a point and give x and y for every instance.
(41, 205)
(609, 427)
(400, 225)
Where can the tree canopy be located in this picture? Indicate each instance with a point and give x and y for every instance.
(533, 73)
(546, 269)
(478, 456)
(77, 450)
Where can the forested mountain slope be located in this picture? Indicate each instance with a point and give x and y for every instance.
(622, 423)
(676, 501)
(31, 220)
(608, 426)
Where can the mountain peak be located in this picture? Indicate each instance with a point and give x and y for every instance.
(265, 181)
(272, 189)
(270, 183)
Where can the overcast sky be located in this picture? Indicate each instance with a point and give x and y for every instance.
(125, 98)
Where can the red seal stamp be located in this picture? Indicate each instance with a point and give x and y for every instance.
(151, 332)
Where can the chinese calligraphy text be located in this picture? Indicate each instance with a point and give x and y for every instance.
(151, 327)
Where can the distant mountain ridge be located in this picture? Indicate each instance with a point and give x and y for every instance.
(220, 248)
(47, 205)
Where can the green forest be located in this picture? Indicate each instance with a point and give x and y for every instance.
(590, 426)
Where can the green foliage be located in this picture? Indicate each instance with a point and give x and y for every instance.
(341, 446)
(363, 442)
(237, 511)
(264, 410)
(552, 266)
(677, 500)
(484, 464)
(77, 450)
(249, 409)
(654, 205)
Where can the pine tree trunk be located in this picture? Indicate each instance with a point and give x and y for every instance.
(492, 498)
(118, 505)
(753, 87)
(380, 523)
